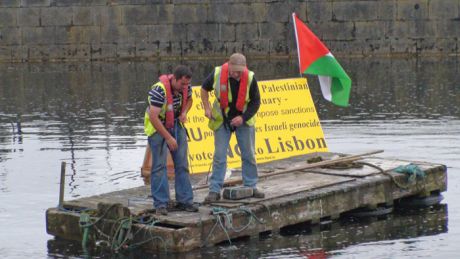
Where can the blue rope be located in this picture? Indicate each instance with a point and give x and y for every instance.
(412, 171)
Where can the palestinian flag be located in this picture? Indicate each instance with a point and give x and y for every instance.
(316, 59)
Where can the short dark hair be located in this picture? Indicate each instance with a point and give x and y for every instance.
(182, 71)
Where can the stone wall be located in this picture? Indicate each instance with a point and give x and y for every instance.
(107, 30)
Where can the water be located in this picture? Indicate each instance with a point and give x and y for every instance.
(90, 116)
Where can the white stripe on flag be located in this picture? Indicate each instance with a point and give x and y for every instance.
(325, 83)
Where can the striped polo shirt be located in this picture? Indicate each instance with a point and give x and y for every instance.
(158, 98)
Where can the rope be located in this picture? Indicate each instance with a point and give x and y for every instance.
(224, 219)
(122, 231)
(411, 170)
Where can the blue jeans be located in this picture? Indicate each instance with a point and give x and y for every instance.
(245, 136)
(159, 179)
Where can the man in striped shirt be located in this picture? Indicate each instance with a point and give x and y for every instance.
(169, 101)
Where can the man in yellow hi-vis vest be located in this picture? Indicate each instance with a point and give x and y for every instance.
(169, 101)
(237, 102)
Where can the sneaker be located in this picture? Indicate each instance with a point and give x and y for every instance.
(257, 194)
(162, 211)
(187, 207)
(212, 197)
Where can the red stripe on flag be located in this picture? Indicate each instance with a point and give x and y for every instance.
(309, 47)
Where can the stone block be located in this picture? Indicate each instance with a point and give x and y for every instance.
(447, 28)
(338, 31)
(412, 9)
(424, 29)
(38, 35)
(126, 51)
(29, 17)
(219, 13)
(403, 46)
(259, 12)
(404, 29)
(5, 54)
(80, 52)
(199, 31)
(10, 36)
(78, 34)
(255, 47)
(443, 10)
(147, 15)
(110, 34)
(18, 53)
(134, 34)
(365, 30)
(56, 16)
(170, 50)
(10, 3)
(203, 47)
(8, 17)
(227, 32)
(318, 11)
(190, 14)
(374, 47)
(166, 32)
(279, 47)
(246, 32)
(130, 2)
(282, 11)
(38, 53)
(387, 10)
(103, 52)
(146, 50)
(344, 47)
(274, 31)
(85, 15)
(80, 2)
(29, 3)
(232, 47)
(355, 11)
(237, 12)
(110, 16)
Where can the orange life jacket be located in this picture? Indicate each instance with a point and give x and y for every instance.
(225, 85)
(169, 117)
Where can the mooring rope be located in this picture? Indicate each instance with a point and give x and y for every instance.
(122, 231)
(224, 219)
(412, 171)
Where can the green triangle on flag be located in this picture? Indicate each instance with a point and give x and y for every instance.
(316, 59)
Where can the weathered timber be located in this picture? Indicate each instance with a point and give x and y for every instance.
(307, 195)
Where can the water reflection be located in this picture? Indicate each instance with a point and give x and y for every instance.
(84, 106)
(311, 241)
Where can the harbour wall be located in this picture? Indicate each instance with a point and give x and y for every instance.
(139, 30)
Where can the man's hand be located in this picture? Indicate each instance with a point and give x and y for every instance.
(183, 117)
(237, 121)
(172, 144)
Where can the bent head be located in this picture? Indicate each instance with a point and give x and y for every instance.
(236, 65)
(182, 77)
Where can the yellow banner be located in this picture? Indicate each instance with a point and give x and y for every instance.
(286, 125)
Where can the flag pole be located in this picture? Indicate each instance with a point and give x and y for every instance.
(296, 41)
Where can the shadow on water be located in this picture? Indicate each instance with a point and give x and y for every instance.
(301, 240)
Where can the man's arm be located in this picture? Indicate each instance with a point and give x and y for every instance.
(206, 104)
(154, 113)
(188, 105)
(205, 88)
(254, 103)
